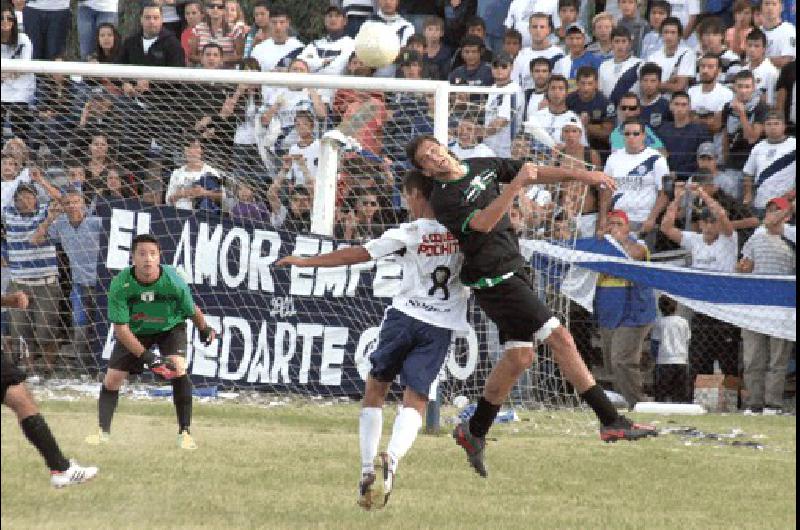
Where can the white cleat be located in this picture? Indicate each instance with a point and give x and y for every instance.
(388, 477)
(76, 474)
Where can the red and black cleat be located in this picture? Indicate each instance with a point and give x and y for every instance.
(625, 429)
(474, 447)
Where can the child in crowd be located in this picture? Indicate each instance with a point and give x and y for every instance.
(672, 363)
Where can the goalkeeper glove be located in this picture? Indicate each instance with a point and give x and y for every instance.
(161, 367)
(207, 335)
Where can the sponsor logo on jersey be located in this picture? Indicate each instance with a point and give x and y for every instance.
(479, 184)
(148, 296)
(142, 317)
(438, 244)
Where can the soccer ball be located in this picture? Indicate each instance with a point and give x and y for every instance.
(460, 402)
(377, 44)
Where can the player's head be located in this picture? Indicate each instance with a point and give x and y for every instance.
(428, 155)
(775, 126)
(417, 191)
(667, 305)
(146, 254)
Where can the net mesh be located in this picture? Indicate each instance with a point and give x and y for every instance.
(223, 174)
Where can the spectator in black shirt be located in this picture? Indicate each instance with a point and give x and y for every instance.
(742, 121)
(596, 112)
(475, 71)
(436, 52)
(786, 96)
(468, 201)
(476, 28)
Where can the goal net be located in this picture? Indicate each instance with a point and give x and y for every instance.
(231, 170)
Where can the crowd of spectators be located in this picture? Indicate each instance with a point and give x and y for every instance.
(689, 104)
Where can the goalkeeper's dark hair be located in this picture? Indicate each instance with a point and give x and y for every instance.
(413, 146)
(415, 180)
(144, 238)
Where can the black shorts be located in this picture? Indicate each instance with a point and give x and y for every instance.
(172, 342)
(516, 311)
(10, 374)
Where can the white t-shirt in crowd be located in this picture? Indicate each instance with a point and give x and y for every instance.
(675, 336)
(714, 101)
(146, 43)
(520, 11)
(639, 178)
(106, 6)
(773, 168)
(781, 40)
(480, 150)
(336, 52)
(508, 107)
(719, 256)
(430, 290)
(311, 155)
(521, 71)
(615, 79)
(683, 9)
(682, 64)
(21, 87)
(48, 5)
(553, 123)
(270, 55)
(533, 104)
(184, 178)
(766, 78)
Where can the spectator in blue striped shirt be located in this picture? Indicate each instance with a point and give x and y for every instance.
(33, 270)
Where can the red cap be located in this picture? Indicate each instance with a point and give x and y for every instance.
(781, 202)
(619, 213)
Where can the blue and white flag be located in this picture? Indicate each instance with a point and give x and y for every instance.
(764, 304)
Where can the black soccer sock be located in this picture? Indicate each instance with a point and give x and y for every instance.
(106, 406)
(602, 407)
(38, 434)
(182, 397)
(484, 416)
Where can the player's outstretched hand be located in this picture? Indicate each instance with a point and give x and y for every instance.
(600, 180)
(289, 260)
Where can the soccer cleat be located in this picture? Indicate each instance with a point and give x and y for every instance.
(366, 494)
(625, 429)
(388, 477)
(76, 474)
(473, 445)
(185, 441)
(101, 437)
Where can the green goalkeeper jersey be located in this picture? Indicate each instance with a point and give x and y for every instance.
(149, 308)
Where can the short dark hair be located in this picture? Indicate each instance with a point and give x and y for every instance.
(667, 305)
(559, 79)
(650, 69)
(13, 38)
(672, 21)
(662, 4)
(584, 72)
(681, 94)
(210, 45)
(279, 11)
(415, 180)
(305, 114)
(633, 121)
(263, 3)
(568, 3)
(416, 38)
(621, 31)
(475, 21)
(413, 146)
(714, 56)
(744, 74)
(540, 60)
(144, 238)
(472, 40)
(757, 34)
(631, 95)
(433, 20)
(712, 25)
(511, 33)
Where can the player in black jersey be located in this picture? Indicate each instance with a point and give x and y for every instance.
(468, 200)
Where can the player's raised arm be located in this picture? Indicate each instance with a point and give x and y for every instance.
(343, 256)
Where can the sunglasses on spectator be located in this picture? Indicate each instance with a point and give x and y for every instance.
(632, 133)
(216, 6)
(625, 107)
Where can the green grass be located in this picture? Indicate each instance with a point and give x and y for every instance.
(297, 467)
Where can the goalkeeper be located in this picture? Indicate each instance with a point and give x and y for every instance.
(148, 304)
(416, 331)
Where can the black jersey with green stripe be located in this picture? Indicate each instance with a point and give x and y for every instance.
(490, 255)
(149, 308)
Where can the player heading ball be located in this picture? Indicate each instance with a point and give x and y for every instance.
(468, 200)
(148, 304)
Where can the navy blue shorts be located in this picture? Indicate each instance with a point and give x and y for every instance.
(409, 348)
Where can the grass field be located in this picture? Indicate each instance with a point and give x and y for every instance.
(297, 467)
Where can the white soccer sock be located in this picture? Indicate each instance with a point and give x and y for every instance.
(370, 425)
(406, 426)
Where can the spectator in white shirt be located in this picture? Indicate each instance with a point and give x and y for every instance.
(192, 181)
(710, 97)
(781, 35)
(468, 144)
(686, 11)
(17, 89)
(619, 74)
(771, 166)
(677, 62)
(503, 112)
(329, 55)
(535, 97)
(556, 115)
(765, 358)
(520, 11)
(302, 161)
(540, 29)
(277, 52)
(672, 370)
(765, 72)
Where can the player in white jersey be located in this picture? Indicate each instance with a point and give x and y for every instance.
(540, 30)
(772, 163)
(781, 35)
(329, 55)
(639, 172)
(416, 331)
(620, 74)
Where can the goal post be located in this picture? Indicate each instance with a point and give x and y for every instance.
(290, 332)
